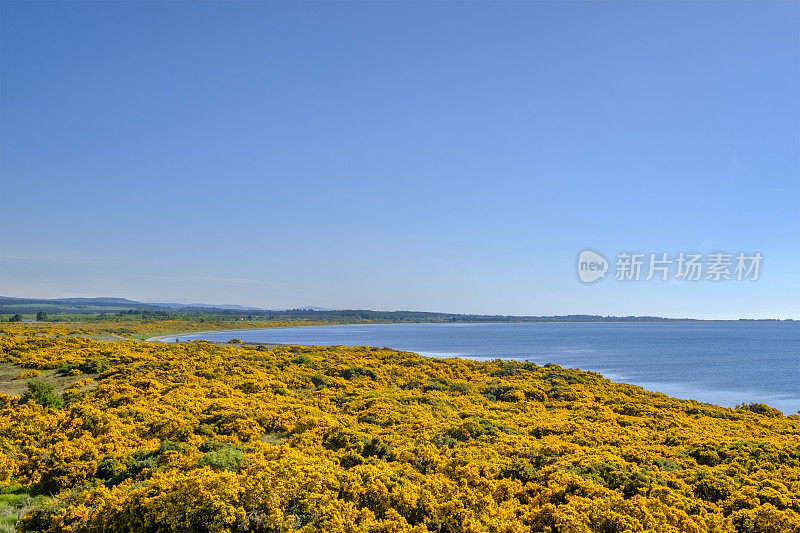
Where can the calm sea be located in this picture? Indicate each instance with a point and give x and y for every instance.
(725, 363)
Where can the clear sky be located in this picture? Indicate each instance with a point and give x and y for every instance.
(430, 156)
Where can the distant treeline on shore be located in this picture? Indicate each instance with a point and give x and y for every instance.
(70, 309)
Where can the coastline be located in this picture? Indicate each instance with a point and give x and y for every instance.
(160, 338)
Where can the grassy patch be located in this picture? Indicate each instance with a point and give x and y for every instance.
(14, 387)
(15, 501)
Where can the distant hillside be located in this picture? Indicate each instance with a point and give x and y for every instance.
(123, 306)
(68, 305)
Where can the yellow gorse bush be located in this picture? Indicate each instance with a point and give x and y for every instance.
(204, 437)
(27, 374)
(129, 328)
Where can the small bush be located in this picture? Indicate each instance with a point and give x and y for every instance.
(459, 387)
(338, 438)
(303, 360)
(357, 371)
(475, 428)
(94, 366)
(760, 409)
(707, 455)
(226, 457)
(508, 370)
(90, 366)
(375, 447)
(43, 394)
(522, 471)
(437, 385)
(350, 459)
(28, 374)
(108, 468)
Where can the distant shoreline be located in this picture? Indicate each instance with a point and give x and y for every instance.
(160, 338)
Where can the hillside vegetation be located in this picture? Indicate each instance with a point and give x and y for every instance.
(103, 309)
(204, 437)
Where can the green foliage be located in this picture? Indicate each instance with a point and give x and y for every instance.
(108, 468)
(42, 393)
(303, 360)
(512, 368)
(357, 371)
(339, 438)
(761, 409)
(15, 500)
(90, 366)
(223, 457)
(475, 428)
(41, 316)
(712, 489)
(459, 387)
(707, 455)
(375, 447)
(437, 385)
(520, 470)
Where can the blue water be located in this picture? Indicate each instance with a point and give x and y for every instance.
(725, 363)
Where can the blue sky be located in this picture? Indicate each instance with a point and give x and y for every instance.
(431, 156)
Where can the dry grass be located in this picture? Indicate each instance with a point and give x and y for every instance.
(15, 387)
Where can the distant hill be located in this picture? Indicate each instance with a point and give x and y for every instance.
(100, 306)
(68, 305)
(168, 305)
(123, 306)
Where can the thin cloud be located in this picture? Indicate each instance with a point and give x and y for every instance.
(245, 282)
(53, 256)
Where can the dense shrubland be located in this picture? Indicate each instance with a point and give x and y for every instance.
(204, 437)
(142, 328)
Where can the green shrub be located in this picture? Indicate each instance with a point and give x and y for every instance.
(225, 457)
(760, 409)
(519, 470)
(108, 468)
(478, 427)
(357, 371)
(459, 387)
(375, 447)
(350, 459)
(94, 366)
(437, 385)
(43, 394)
(303, 360)
(707, 455)
(338, 438)
(90, 366)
